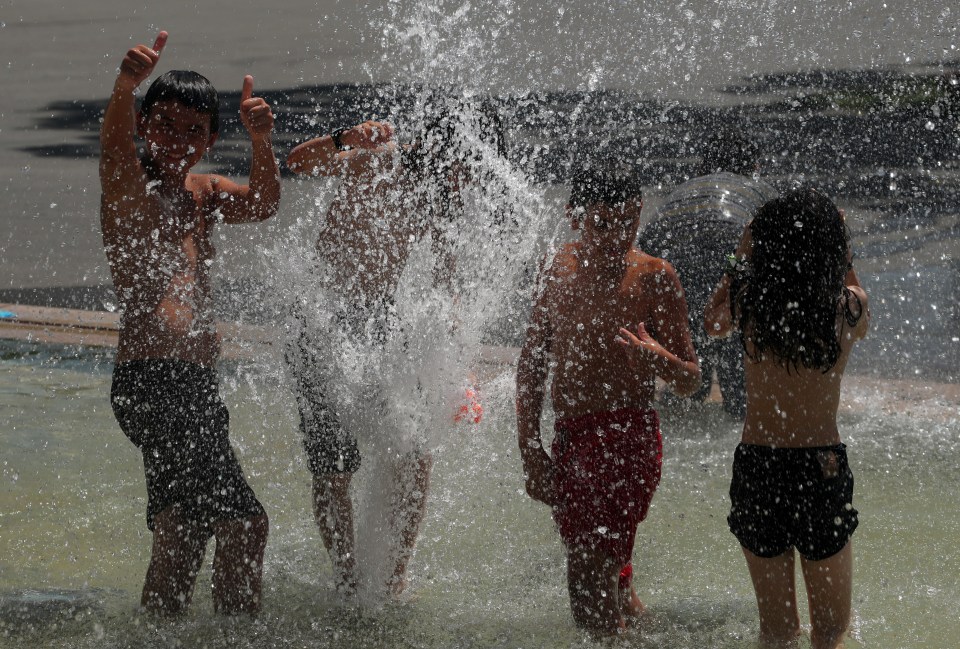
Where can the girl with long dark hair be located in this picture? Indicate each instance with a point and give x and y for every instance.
(794, 295)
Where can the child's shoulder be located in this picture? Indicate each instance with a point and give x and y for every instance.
(646, 273)
(565, 260)
(647, 264)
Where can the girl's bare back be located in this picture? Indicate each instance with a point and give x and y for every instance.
(795, 406)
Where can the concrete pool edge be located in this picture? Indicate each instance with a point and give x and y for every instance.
(55, 325)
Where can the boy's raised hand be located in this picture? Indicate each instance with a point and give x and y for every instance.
(639, 346)
(255, 112)
(369, 135)
(140, 61)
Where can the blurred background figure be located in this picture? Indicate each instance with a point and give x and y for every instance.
(696, 227)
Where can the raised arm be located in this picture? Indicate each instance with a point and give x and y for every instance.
(852, 282)
(532, 371)
(119, 166)
(351, 148)
(717, 318)
(671, 353)
(259, 199)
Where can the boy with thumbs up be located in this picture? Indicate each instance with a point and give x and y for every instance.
(157, 220)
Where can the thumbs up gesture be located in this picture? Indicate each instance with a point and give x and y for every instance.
(255, 113)
(140, 61)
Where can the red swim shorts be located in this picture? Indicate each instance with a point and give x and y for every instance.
(606, 469)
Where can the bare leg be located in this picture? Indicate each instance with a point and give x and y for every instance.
(592, 580)
(409, 508)
(631, 607)
(238, 565)
(775, 585)
(175, 560)
(333, 511)
(829, 591)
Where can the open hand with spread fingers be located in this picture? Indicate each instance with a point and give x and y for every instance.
(640, 347)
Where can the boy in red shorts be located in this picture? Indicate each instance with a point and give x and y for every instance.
(609, 320)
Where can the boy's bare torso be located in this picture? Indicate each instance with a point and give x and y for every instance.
(158, 243)
(586, 307)
(369, 231)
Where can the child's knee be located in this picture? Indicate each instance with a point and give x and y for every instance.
(256, 531)
(331, 487)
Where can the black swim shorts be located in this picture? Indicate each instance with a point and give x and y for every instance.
(330, 447)
(792, 497)
(173, 412)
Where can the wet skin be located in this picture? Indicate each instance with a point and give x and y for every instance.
(157, 220)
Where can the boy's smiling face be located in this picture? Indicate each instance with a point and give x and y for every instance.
(611, 228)
(177, 137)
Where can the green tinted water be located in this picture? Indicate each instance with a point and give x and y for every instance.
(489, 571)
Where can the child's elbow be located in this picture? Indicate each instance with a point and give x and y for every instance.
(689, 383)
(266, 211)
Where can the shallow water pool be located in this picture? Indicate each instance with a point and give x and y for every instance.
(489, 569)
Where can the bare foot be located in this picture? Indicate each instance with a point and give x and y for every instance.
(398, 592)
(631, 607)
(346, 586)
(396, 585)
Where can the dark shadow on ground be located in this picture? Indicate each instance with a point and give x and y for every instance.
(232, 297)
(301, 113)
(887, 137)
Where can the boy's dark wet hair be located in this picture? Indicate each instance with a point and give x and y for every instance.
(787, 305)
(186, 87)
(448, 127)
(447, 122)
(448, 118)
(605, 186)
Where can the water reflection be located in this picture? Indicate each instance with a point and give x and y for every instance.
(884, 143)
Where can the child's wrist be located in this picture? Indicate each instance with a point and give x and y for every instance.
(125, 82)
(531, 450)
(337, 138)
